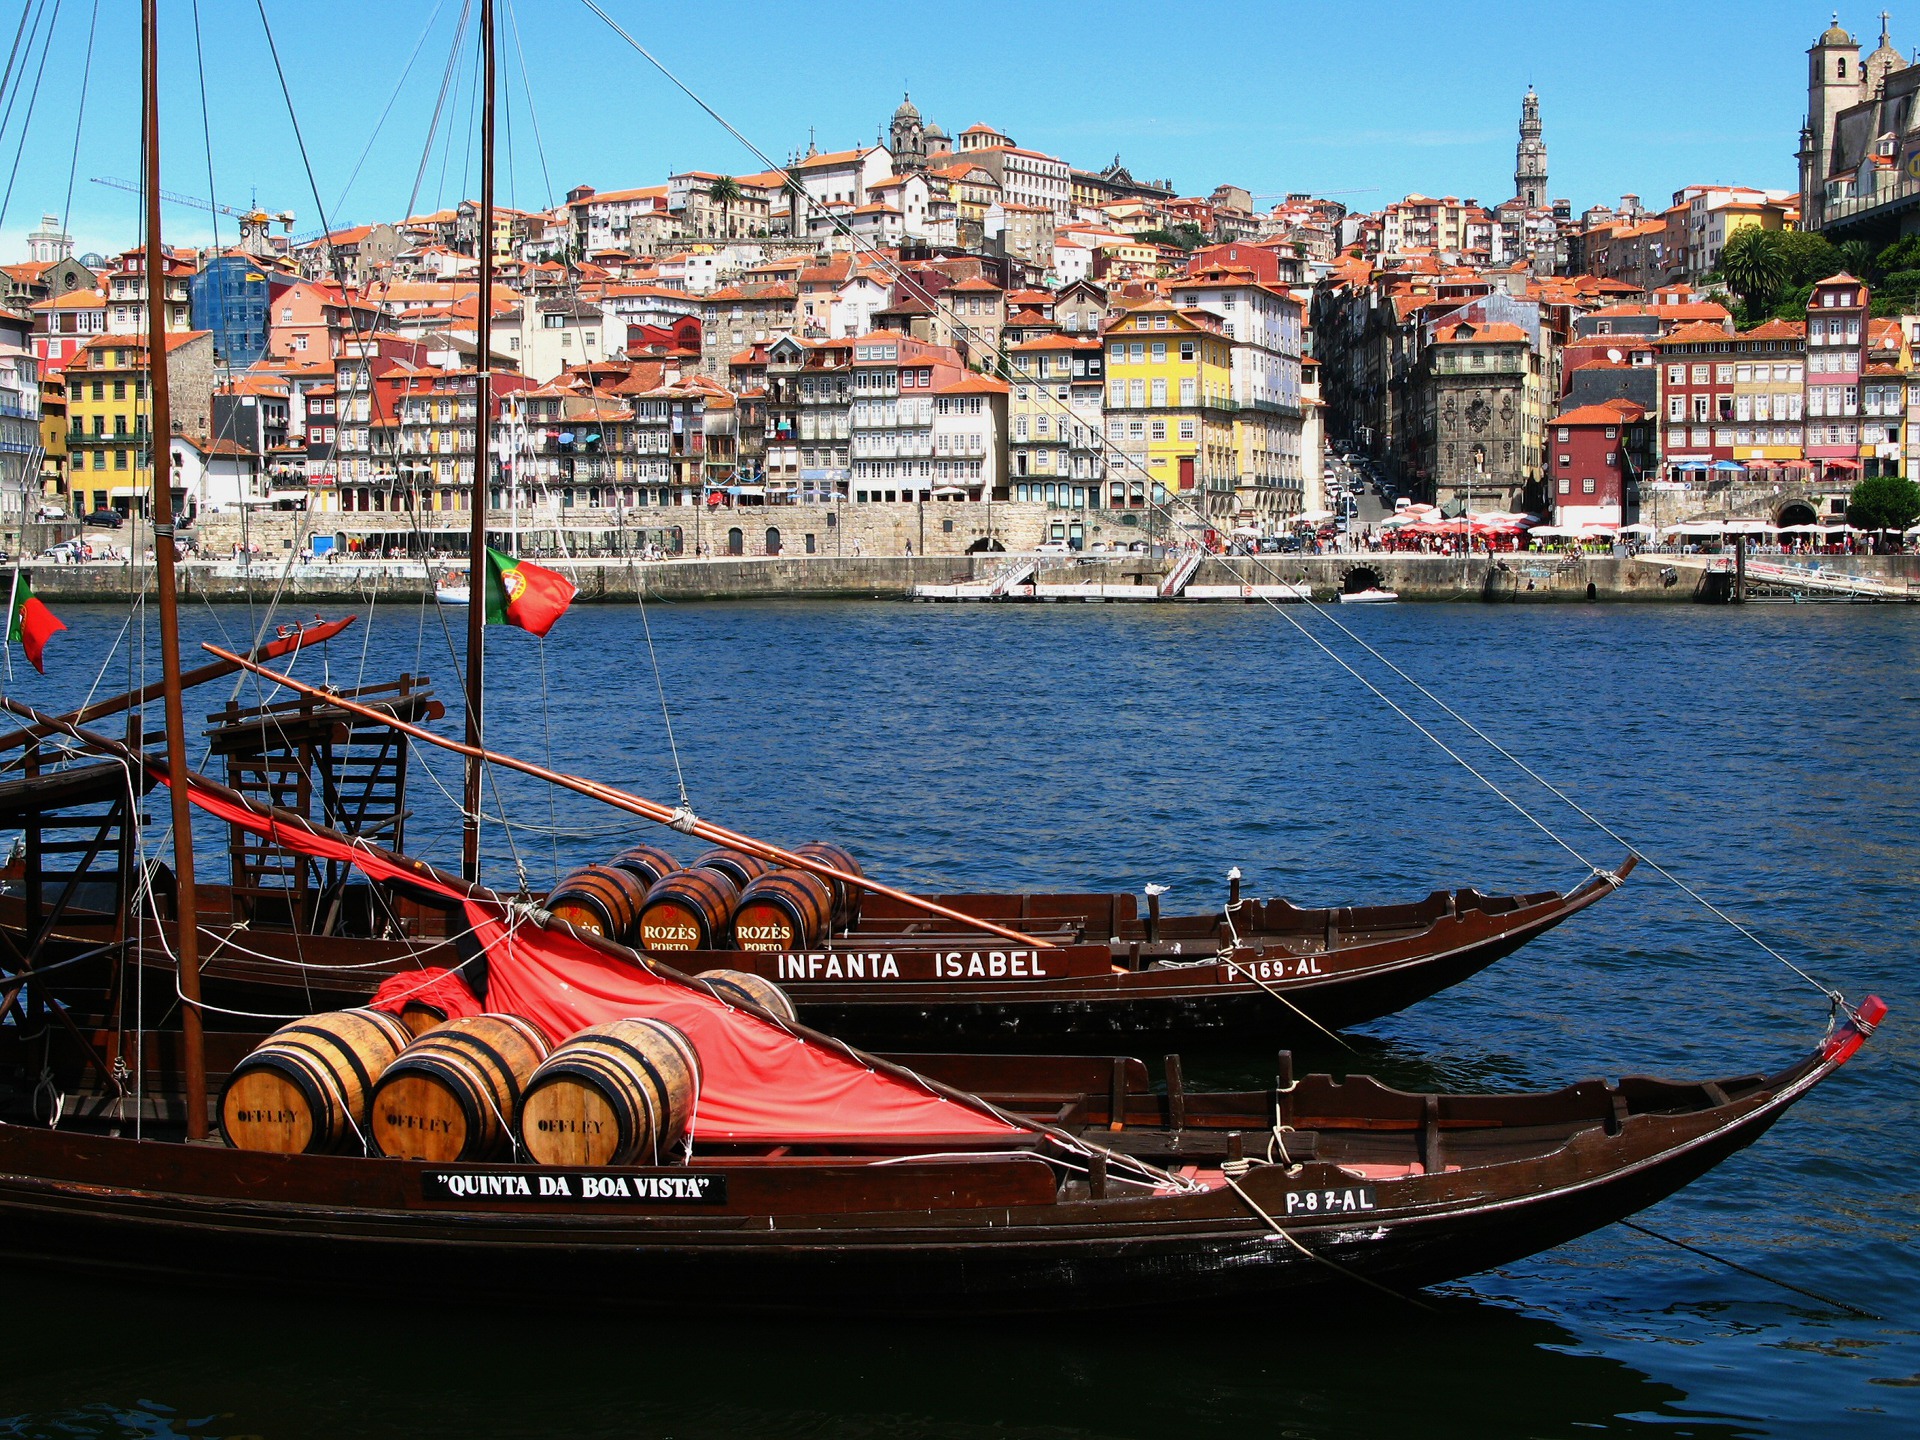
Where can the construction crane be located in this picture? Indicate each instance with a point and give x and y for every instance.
(255, 213)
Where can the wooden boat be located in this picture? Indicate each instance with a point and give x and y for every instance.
(799, 1174)
(1002, 1183)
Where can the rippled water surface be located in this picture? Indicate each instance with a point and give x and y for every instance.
(1766, 755)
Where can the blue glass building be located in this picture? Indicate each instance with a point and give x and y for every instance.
(229, 297)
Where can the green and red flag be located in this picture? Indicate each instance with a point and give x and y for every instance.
(32, 623)
(524, 594)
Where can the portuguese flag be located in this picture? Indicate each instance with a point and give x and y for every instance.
(519, 593)
(31, 623)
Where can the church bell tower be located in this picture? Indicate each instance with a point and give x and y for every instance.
(1530, 159)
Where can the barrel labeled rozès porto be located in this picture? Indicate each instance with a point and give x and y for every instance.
(738, 866)
(689, 910)
(649, 862)
(846, 898)
(783, 910)
(452, 1094)
(602, 899)
(305, 1089)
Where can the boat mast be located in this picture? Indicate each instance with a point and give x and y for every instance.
(480, 491)
(160, 450)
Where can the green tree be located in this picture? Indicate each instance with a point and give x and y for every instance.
(1809, 257)
(1886, 502)
(1755, 267)
(1856, 258)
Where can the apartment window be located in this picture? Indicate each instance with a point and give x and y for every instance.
(1565, 485)
(1159, 430)
(1564, 458)
(1723, 374)
(1188, 349)
(1565, 435)
(1676, 374)
(1700, 373)
(1137, 351)
(1186, 430)
(1676, 407)
(1587, 485)
(1159, 393)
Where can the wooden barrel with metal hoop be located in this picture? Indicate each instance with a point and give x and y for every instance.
(846, 898)
(689, 910)
(649, 862)
(617, 1094)
(736, 865)
(783, 910)
(743, 985)
(452, 1094)
(604, 899)
(305, 1089)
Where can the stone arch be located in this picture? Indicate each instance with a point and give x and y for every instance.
(1796, 510)
(1356, 578)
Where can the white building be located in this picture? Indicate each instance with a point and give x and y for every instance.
(547, 336)
(614, 219)
(841, 177)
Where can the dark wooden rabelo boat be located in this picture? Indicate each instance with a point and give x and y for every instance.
(750, 1163)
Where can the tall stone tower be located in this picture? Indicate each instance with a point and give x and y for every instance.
(1835, 80)
(1530, 159)
(907, 138)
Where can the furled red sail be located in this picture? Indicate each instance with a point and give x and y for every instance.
(761, 1082)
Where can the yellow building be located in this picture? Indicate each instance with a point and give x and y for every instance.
(109, 412)
(1169, 405)
(53, 441)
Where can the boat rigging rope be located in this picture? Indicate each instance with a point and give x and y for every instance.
(960, 327)
(1232, 965)
(1706, 1254)
(80, 117)
(660, 688)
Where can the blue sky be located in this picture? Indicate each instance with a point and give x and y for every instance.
(1373, 98)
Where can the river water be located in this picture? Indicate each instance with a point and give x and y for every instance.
(1764, 754)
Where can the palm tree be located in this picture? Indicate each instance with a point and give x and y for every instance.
(725, 192)
(1856, 258)
(1754, 267)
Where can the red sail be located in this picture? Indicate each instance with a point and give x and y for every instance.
(762, 1082)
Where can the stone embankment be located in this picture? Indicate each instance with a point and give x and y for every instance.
(1504, 579)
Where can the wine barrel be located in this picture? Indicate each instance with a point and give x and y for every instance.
(451, 1095)
(783, 910)
(420, 1017)
(743, 985)
(618, 1094)
(604, 899)
(741, 868)
(649, 862)
(304, 1090)
(846, 898)
(689, 910)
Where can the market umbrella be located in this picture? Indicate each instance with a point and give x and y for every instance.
(1728, 465)
(1637, 528)
(1697, 527)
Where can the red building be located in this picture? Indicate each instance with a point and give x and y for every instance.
(1696, 394)
(1836, 359)
(1596, 452)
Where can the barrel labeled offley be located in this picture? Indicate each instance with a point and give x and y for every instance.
(452, 1094)
(846, 898)
(689, 910)
(305, 1089)
(622, 1093)
(738, 985)
(783, 910)
(604, 900)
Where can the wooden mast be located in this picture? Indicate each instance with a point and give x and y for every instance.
(481, 491)
(160, 448)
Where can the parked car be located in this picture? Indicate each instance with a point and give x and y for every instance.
(109, 519)
(1053, 547)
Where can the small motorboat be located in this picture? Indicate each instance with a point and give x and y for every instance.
(1372, 595)
(453, 588)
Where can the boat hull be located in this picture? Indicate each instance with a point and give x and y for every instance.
(929, 1236)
